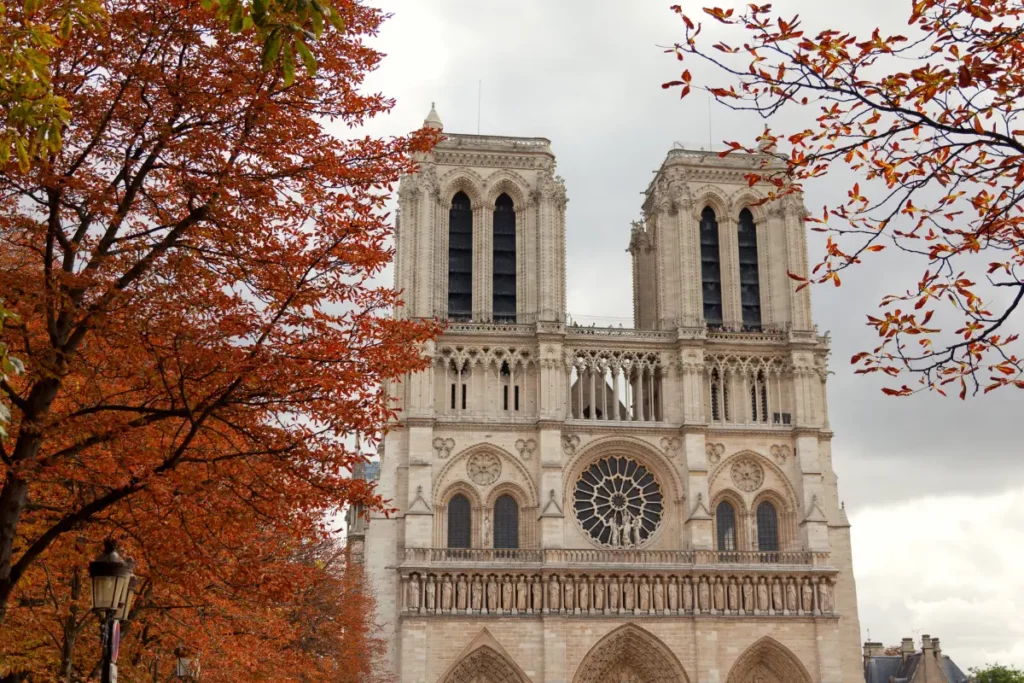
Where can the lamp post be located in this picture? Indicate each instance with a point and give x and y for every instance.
(187, 666)
(112, 594)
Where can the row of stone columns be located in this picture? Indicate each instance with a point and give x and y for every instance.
(464, 593)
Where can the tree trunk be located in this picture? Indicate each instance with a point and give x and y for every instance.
(12, 502)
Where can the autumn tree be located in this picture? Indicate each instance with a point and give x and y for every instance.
(34, 114)
(191, 277)
(927, 123)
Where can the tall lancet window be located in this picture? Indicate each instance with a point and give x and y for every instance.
(504, 260)
(750, 288)
(710, 268)
(460, 258)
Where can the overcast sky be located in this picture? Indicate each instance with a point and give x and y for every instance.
(934, 487)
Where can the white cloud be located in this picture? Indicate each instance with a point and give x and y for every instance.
(947, 566)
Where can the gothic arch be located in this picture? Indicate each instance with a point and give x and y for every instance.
(768, 661)
(509, 465)
(747, 199)
(787, 495)
(632, 651)
(484, 661)
(509, 182)
(650, 456)
(718, 201)
(464, 180)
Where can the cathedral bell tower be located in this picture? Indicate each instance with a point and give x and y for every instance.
(598, 505)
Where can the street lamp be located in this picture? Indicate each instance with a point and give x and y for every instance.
(187, 667)
(111, 600)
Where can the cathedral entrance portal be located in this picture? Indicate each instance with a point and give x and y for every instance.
(768, 661)
(630, 654)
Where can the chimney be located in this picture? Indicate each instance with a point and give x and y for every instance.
(937, 648)
(907, 648)
(872, 650)
(926, 643)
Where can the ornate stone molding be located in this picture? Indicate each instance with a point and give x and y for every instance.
(781, 453)
(714, 452)
(443, 447)
(526, 448)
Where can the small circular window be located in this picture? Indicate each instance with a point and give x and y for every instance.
(618, 502)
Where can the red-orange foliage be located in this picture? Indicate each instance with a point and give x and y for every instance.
(929, 122)
(192, 276)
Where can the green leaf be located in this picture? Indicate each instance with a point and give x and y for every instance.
(271, 48)
(237, 19)
(307, 57)
(288, 64)
(336, 21)
(259, 11)
(318, 24)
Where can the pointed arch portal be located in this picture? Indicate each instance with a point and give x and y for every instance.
(630, 654)
(768, 661)
(484, 661)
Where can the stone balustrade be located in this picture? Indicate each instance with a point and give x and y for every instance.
(723, 593)
(589, 557)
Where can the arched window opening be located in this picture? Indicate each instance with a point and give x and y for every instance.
(504, 297)
(750, 287)
(725, 521)
(716, 407)
(719, 396)
(710, 268)
(506, 522)
(460, 258)
(759, 397)
(459, 519)
(767, 527)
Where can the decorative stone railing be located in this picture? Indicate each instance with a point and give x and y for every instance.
(590, 557)
(722, 593)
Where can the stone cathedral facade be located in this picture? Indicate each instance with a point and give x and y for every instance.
(608, 505)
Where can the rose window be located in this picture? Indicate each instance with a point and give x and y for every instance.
(618, 502)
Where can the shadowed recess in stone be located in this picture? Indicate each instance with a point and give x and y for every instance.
(768, 661)
(629, 653)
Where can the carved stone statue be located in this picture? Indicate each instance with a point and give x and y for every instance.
(626, 529)
(477, 590)
(636, 526)
(807, 597)
(719, 594)
(687, 595)
(554, 599)
(487, 538)
(824, 604)
(734, 596)
(673, 594)
(614, 594)
(431, 594)
(446, 594)
(461, 597)
(414, 593)
(703, 595)
(538, 594)
(615, 538)
(583, 595)
(791, 597)
(522, 596)
(492, 593)
(645, 595)
(599, 594)
(762, 596)
(748, 596)
(777, 603)
(629, 594)
(570, 594)
(659, 595)
(507, 593)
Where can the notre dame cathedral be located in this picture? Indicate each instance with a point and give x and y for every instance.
(608, 505)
